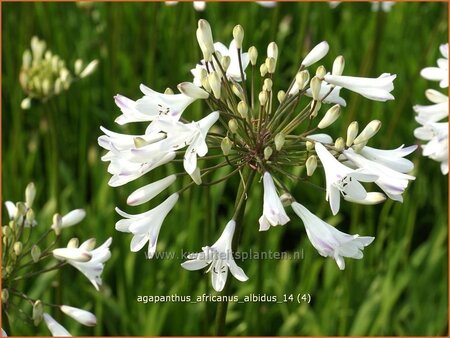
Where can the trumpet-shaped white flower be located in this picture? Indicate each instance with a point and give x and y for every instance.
(55, 328)
(342, 179)
(153, 106)
(391, 181)
(439, 73)
(378, 89)
(434, 112)
(219, 257)
(145, 227)
(273, 210)
(81, 316)
(93, 267)
(329, 241)
(393, 159)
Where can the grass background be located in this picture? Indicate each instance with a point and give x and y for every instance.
(399, 288)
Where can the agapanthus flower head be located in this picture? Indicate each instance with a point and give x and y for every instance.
(255, 127)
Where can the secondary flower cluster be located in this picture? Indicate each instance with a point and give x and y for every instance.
(44, 74)
(430, 117)
(28, 253)
(254, 131)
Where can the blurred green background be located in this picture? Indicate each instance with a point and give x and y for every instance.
(399, 288)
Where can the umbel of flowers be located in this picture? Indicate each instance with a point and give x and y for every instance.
(256, 131)
(433, 129)
(30, 250)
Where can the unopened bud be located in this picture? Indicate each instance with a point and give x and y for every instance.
(279, 141)
(78, 66)
(242, 109)
(357, 147)
(238, 35)
(35, 253)
(309, 145)
(214, 82)
(30, 194)
(311, 165)
(338, 66)
(237, 90)
(90, 68)
(352, 131)
(26, 103)
(18, 246)
(281, 96)
(5, 296)
(225, 61)
(320, 72)
(262, 98)
(253, 55)
(233, 125)
(272, 51)
(371, 198)
(330, 117)
(271, 65)
(193, 91)
(37, 312)
(315, 109)
(263, 70)
(267, 85)
(302, 79)
(205, 84)
(226, 145)
(73, 243)
(317, 53)
(26, 59)
(339, 144)
(315, 88)
(29, 217)
(169, 91)
(369, 131)
(57, 223)
(267, 152)
(205, 39)
(286, 199)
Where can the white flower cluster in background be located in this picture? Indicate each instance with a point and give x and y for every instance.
(433, 129)
(255, 131)
(27, 257)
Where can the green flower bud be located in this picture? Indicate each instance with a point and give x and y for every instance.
(267, 85)
(30, 194)
(226, 145)
(339, 144)
(168, 91)
(279, 141)
(242, 109)
(281, 96)
(311, 165)
(233, 125)
(238, 35)
(38, 312)
(267, 152)
(35, 253)
(253, 54)
(352, 131)
(18, 246)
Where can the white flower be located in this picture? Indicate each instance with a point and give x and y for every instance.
(81, 316)
(433, 112)
(391, 181)
(72, 254)
(393, 159)
(152, 106)
(145, 227)
(439, 73)
(341, 179)
(329, 241)
(55, 328)
(219, 257)
(93, 268)
(378, 89)
(73, 217)
(233, 71)
(437, 147)
(273, 210)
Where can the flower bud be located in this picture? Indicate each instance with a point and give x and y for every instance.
(72, 254)
(18, 246)
(90, 68)
(37, 312)
(5, 296)
(271, 65)
(205, 84)
(339, 144)
(279, 141)
(225, 61)
(263, 70)
(89, 244)
(338, 66)
(309, 145)
(311, 165)
(169, 91)
(267, 152)
(242, 109)
(26, 59)
(238, 35)
(73, 217)
(262, 98)
(352, 131)
(237, 90)
(330, 117)
(196, 177)
(30, 194)
(315, 88)
(371, 198)
(78, 66)
(272, 51)
(315, 109)
(205, 39)
(73, 243)
(191, 90)
(281, 95)
(226, 145)
(57, 223)
(320, 72)
(29, 217)
(286, 199)
(267, 85)
(214, 82)
(81, 316)
(357, 147)
(253, 55)
(35, 253)
(368, 132)
(26, 103)
(316, 54)
(233, 125)
(302, 79)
